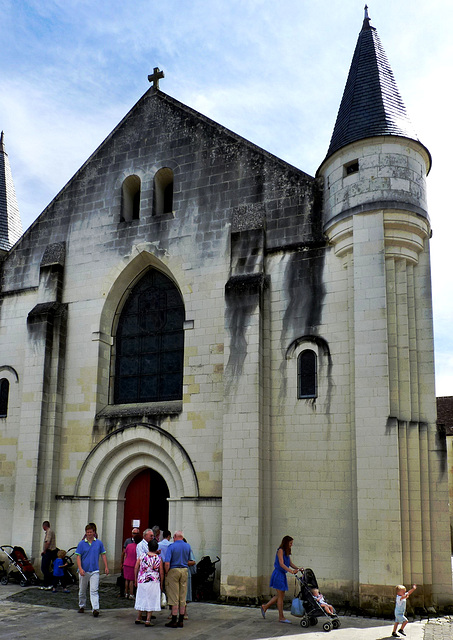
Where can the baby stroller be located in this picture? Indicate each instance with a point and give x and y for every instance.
(203, 579)
(70, 572)
(312, 608)
(3, 571)
(20, 569)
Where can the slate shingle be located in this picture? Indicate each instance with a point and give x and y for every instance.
(371, 104)
(10, 222)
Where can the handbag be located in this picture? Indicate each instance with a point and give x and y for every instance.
(163, 600)
(297, 608)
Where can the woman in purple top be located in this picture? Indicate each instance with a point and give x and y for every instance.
(282, 566)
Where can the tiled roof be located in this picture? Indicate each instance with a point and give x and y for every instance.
(371, 103)
(10, 222)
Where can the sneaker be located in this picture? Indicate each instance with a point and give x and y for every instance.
(95, 613)
(81, 610)
(401, 631)
(394, 634)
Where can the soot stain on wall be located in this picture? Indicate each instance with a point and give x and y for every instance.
(242, 296)
(305, 293)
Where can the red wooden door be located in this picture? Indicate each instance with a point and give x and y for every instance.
(146, 500)
(136, 506)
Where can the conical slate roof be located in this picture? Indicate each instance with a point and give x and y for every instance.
(10, 222)
(371, 103)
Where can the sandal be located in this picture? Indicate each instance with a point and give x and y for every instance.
(149, 624)
(138, 622)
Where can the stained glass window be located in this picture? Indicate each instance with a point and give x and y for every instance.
(150, 342)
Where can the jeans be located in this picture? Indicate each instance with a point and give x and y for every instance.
(46, 559)
(90, 578)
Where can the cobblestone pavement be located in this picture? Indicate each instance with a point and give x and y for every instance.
(439, 629)
(56, 617)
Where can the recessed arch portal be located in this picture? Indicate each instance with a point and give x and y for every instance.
(114, 461)
(118, 456)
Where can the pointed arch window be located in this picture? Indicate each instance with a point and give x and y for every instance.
(130, 198)
(163, 191)
(4, 397)
(307, 374)
(150, 342)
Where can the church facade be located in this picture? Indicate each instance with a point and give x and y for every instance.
(198, 335)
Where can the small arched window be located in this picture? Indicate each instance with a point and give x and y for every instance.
(307, 374)
(163, 191)
(130, 199)
(4, 396)
(150, 342)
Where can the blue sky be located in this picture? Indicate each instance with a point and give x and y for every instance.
(273, 72)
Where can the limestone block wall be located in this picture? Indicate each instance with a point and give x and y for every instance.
(355, 475)
(13, 332)
(312, 459)
(450, 482)
(376, 220)
(219, 180)
(367, 173)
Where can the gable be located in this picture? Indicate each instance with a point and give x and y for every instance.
(221, 182)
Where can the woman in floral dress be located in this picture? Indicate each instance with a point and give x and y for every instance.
(149, 574)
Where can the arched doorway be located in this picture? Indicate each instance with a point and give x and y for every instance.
(113, 464)
(146, 501)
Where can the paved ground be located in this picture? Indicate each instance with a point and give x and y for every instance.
(19, 619)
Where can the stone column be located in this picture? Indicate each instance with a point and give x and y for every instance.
(41, 407)
(245, 424)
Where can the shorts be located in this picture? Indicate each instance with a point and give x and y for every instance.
(400, 617)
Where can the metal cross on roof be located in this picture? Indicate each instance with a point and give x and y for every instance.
(155, 77)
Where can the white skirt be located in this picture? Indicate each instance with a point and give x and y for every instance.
(147, 597)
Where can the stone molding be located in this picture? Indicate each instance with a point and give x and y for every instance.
(106, 469)
(404, 235)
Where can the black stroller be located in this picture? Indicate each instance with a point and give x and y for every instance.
(19, 569)
(312, 608)
(203, 579)
(70, 572)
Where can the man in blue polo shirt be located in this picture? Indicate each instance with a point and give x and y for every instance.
(87, 553)
(176, 562)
